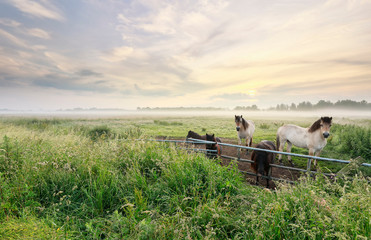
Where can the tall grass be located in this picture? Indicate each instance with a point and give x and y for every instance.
(354, 140)
(63, 184)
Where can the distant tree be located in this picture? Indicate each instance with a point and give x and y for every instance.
(323, 104)
(282, 107)
(350, 104)
(254, 107)
(247, 108)
(293, 107)
(305, 106)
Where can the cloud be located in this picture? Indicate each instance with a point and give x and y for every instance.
(232, 96)
(320, 88)
(13, 39)
(9, 22)
(161, 22)
(155, 92)
(88, 73)
(61, 82)
(37, 32)
(192, 52)
(62, 62)
(214, 41)
(118, 54)
(40, 9)
(7, 80)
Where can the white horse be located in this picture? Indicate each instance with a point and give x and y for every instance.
(245, 129)
(313, 138)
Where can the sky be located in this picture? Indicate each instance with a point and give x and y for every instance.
(63, 54)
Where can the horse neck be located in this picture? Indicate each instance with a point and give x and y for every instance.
(196, 135)
(318, 134)
(245, 124)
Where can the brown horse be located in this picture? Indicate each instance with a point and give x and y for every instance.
(192, 134)
(262, 160)
(213, 146)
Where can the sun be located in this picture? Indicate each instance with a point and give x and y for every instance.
(251, 93)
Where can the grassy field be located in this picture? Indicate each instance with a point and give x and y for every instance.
(88, 179)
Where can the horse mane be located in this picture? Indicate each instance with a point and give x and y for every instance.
(245, 124)
(317, 124)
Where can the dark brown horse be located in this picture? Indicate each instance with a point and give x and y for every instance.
(213, 146)
(192, 134)
(262, 160)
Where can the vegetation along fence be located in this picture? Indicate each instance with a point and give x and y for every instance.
(238, 158)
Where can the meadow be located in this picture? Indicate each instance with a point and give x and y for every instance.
(89, 178)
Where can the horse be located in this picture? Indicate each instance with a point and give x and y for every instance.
(313, 138)
(262, 160)
(245, 129)
(192, 134)
(213, 146)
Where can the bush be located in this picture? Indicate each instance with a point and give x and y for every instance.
(100, 132)
(353, 140)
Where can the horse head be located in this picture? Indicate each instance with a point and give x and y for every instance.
(238, 120)
(325, 125)
(211, 138)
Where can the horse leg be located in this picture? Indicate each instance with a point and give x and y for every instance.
(257, 180)
(281, 146)
(311, 153)
(247, 144)
(239, 149)
(289, 146)
(269, 176)
(317, 153)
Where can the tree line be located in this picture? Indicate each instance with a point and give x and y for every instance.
(307, 106)
(302, 106)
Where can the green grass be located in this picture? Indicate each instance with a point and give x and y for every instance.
(57, 181)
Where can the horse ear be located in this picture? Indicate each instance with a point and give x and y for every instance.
(330, 118)
(241, 116)
(213, 135)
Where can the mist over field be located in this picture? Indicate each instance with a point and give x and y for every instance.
(101, 113)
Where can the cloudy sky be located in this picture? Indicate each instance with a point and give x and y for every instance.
(161, 53)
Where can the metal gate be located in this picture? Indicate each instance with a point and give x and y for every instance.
(213, 152)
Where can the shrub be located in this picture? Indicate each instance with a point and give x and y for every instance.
(353, 140)
(100, 132)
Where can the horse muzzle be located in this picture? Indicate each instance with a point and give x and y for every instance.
(326, 134)
(238, 129)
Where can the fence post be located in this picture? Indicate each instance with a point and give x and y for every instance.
(308, 165)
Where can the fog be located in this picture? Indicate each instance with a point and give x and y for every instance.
(187, 113)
